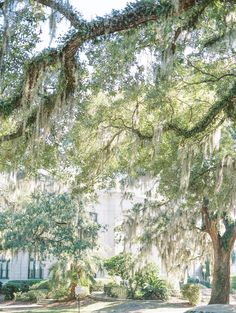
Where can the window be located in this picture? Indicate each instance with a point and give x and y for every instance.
(4, 268)
(35, 269)
(94, 216)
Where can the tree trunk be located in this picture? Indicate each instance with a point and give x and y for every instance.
(221, 274)
(222, 245)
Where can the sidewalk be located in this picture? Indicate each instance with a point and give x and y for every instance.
(10, 307)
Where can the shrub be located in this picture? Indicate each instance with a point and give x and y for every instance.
(120, 265)
(60, 293)
(44, 284)
(97, 286)
(141, 284)
(14, 286)
(8, 290)
(192, 293)
(119, 292)
(24, 296)
(155, 291)
(108, 287)
(150, 285)
(116, 291)
(144, 283)
(31, 295)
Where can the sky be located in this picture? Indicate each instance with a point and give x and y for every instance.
(91, 8)
(88, 8)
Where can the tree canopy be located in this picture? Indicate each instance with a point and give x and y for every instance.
(177, 34)
(49, 224)
(147, 90)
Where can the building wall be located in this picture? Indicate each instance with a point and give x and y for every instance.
(110, 208)
(18, 266)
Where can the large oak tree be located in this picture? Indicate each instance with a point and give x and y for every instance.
(166, 67)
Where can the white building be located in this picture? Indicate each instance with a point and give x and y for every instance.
(108, 212)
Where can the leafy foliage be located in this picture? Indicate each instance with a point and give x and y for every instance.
(120, 265)
(192, 293)
(141, 283)
(49, 224)
(31, 295)
(150, 285)
(116, 291)
(16, 286)
(155, 85)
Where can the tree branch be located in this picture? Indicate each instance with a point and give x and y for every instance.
(13, 135)
(229, 235)
(132, 16)
(212, 80)
(66, 10)
(225, 103)
(109, 143)
(209, 224)
(132, 129)
(25, 127)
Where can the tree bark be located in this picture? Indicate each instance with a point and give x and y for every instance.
(222, 246)
(221, 274)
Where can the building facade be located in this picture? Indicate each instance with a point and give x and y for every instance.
(108, 212)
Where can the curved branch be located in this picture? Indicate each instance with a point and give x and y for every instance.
(205, 122)
(118, 21)
(211, 80)
(132, 129)
(66, 10)
(16, 134)
(26, 127)
(132, 16)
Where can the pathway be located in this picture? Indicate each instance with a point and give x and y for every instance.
(106, 307)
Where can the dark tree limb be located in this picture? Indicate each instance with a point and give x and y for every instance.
(212, 80)
(119, 123)
(229, 235)
(66, 10)
(107, 147)
(217, 108)
(13, 135)
(131, 17)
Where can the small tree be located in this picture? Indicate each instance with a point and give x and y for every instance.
(52, 224)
